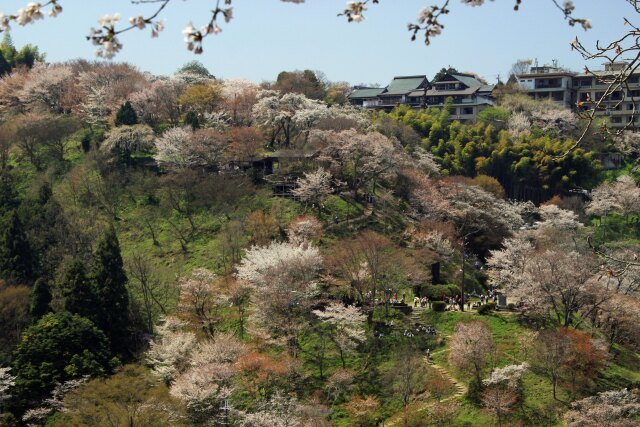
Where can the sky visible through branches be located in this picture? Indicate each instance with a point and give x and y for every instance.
(268, 36)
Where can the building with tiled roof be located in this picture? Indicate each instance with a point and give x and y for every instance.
(469, 94)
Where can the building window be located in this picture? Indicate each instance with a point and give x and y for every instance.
(629, 107)
(616, 96)
(616, 119)
(599, 96)
(634, 94)
(584, 96)
(633, 79)
(585, 83)
(467, 110)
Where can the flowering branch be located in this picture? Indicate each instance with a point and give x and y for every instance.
(29, 14)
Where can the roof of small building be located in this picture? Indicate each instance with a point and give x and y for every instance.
(434, 92)
(468, 80)
(487, 88)
(367, 92)
(404, 84)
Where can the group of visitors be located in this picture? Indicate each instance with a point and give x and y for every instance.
(421, 302)
(453, 303)
(491, 296)
(395, 300)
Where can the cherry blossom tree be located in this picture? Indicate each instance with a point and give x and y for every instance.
(53, 403)
(628, 196)
(556, 218)
(565, 283)
(239, 97)
(347, 323)
(280, 410)
(198, 299)
(94, 109)
(314, 187)
(288, 115)
(10, 88)
(510, 375)
(117, 80)
(604, 201)
(46, 87)
(158, 101)
(362, 264)
(500, 400)
(568, 355)
(7, 381)
(304, 229)
(470, 348)
(608, 408)
(246, 142)
(182, 147)
(209, 379)
(169, 353)
(618, 320)
(124, 141)
(284, 277)
(359, 158)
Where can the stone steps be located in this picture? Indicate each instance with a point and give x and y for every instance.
(461, 389)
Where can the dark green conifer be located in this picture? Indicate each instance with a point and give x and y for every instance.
(16, 256)
(191, 119)
(40, 303)
(126, 115)
(111, 284)
(80, 294)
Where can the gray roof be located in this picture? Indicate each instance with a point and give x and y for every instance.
(468, 80)
(433, 92)
(487, 88)
(404, 84)
(369, 92)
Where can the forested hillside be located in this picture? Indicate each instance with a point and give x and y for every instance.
(184, 250)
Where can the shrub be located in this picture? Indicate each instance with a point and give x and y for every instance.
(438, 306)
(486, 308)
(440, 292)
(511, 306)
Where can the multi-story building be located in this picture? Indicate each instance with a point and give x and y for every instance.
(621, 107)
(469, 95)
(549, 82)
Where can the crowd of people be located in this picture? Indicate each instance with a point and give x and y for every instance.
(452, 303)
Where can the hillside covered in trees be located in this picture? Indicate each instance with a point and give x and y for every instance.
(188, 251)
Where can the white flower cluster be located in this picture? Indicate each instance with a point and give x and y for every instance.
(357, 8)
(6, 382)
(28, 14)
(270, 265)
(509, 375)
(193, 37)
(473, 2)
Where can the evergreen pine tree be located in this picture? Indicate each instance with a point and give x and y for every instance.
(16, 258)
(80, 295)
(8, 49)
(191, 119)
(126, 115)
(5, 67)
(40, 299)
(28, 55)
(8, 195)
(111, 282)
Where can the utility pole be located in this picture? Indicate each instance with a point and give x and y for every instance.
(464, 246)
